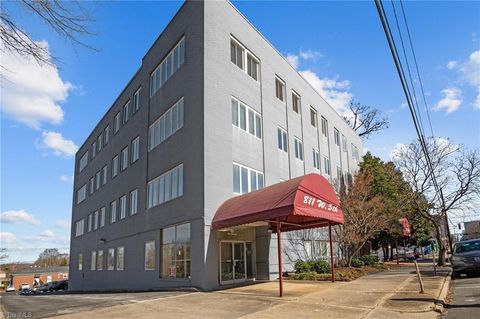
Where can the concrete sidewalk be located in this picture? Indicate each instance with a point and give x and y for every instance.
(392, 294)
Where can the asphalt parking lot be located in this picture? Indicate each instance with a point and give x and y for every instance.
(54, 304)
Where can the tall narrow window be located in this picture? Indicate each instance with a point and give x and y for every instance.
(135, 149)
(236, 54)
(126, 112)
(100, 141)
(252, 66)
(111, 259)
(326, 165)
(150, 255)
(104, 174)
(136, 101)
(98, 179)
(280, 89)
(106, 134)
(81, 194)
(92, 185)
(124, 162)
(336, 136)
(134, 202)
(82, 163)
(316, 159)
(100, 260)
(324, 127)
(80, 262)
(120, 258)
(94, 149)
(93, 260)
(95, 220)
(296, 102)
(298, 149)
(282, 140)
(102, 217)
(90, 222)
(116, 123)
(313, 117)
(113, 211)
(123, 206)
(344, 143)
(115, 166)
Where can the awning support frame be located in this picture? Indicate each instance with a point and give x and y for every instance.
(332, 263)
(279, 246)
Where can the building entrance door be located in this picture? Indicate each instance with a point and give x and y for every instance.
(232, 262)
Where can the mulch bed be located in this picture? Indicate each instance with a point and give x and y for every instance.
(341, 273)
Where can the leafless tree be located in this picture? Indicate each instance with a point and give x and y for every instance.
(3, 254)
(365, 120)
(363, 216)
(457, 172)
(68, 19)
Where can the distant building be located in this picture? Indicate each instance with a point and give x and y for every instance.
(471, 230)
(3, 280)
(38, 275)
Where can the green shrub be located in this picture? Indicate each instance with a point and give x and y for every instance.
(320, 266)
(369, 260)
(303, 266)
(357, 262)
(307, 275)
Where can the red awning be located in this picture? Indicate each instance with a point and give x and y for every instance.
(304, 202)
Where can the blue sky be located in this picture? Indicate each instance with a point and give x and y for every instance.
(338, 44)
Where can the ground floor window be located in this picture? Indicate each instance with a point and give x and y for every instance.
(120, 256)
(175, 250)
(93, 260)
(100, 260)
(150, 255)
(110, 259)
(80, 262)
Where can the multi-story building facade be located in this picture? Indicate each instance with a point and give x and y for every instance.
(214, 111)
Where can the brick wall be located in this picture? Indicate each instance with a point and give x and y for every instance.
(19, 279)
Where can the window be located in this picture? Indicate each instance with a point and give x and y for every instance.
(120, 257)
(165, 187)
(100, 260)
(92, 185)
(246, 179)
(150, 255)
(95, 219)
(104, 175)
(176, 251)
(344, 143)
(124, 163)
(89, 225)
(113, 211)
(169, 65)
(79, 227)
(316, 159)
(282, 140)
(252, 66)
(136, 100)
(326, 165)
(339, 173)
(236, 54)
(123, 206)
(111, 259)
(167, 124)
(313, 117)
(80, 262)
(355, 154)
(239, 118)
(135, 149)
(100, 141)
(116, 123)
(81, 194)
(94, 149)
(82, 163)
(93, 260)
(298, 149)
(102, 217)
(98, 178)
(280, 89)
(106, 134)
(336, 136)
(115, 166)
(324, 127)
(296, 102)
(126, 112)
(134, 202)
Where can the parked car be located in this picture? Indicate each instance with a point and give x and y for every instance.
(26, 291)
(60, 285)
(23, 286)
(45, 287)
(466, 257)
(10, 289)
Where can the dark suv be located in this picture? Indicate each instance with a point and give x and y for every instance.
(466, 257)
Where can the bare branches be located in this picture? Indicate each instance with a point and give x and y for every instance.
(365, 120)
(67, 19)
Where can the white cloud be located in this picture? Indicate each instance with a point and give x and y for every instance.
(47, 233)
(397, 150)
(7, 238)
(18, 217)
(293, 59)
(62, 224)
(310, 55)
(31, 93)
(451, 101)
(333, 91)
(452, 65)
(58, 144)
(65, 178)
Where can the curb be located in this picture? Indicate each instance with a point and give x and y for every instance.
(440, 302)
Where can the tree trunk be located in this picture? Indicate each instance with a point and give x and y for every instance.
(442, 249)
(391, 252)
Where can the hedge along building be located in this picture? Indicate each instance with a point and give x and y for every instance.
(213, 112)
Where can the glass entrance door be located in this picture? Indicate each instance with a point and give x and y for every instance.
(232, 262)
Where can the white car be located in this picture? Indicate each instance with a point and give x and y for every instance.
(10, 289)
(24, 286)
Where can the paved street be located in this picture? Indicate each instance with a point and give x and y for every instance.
(48, 305)
(465, 299)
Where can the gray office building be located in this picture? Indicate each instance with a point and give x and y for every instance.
(213, 112)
